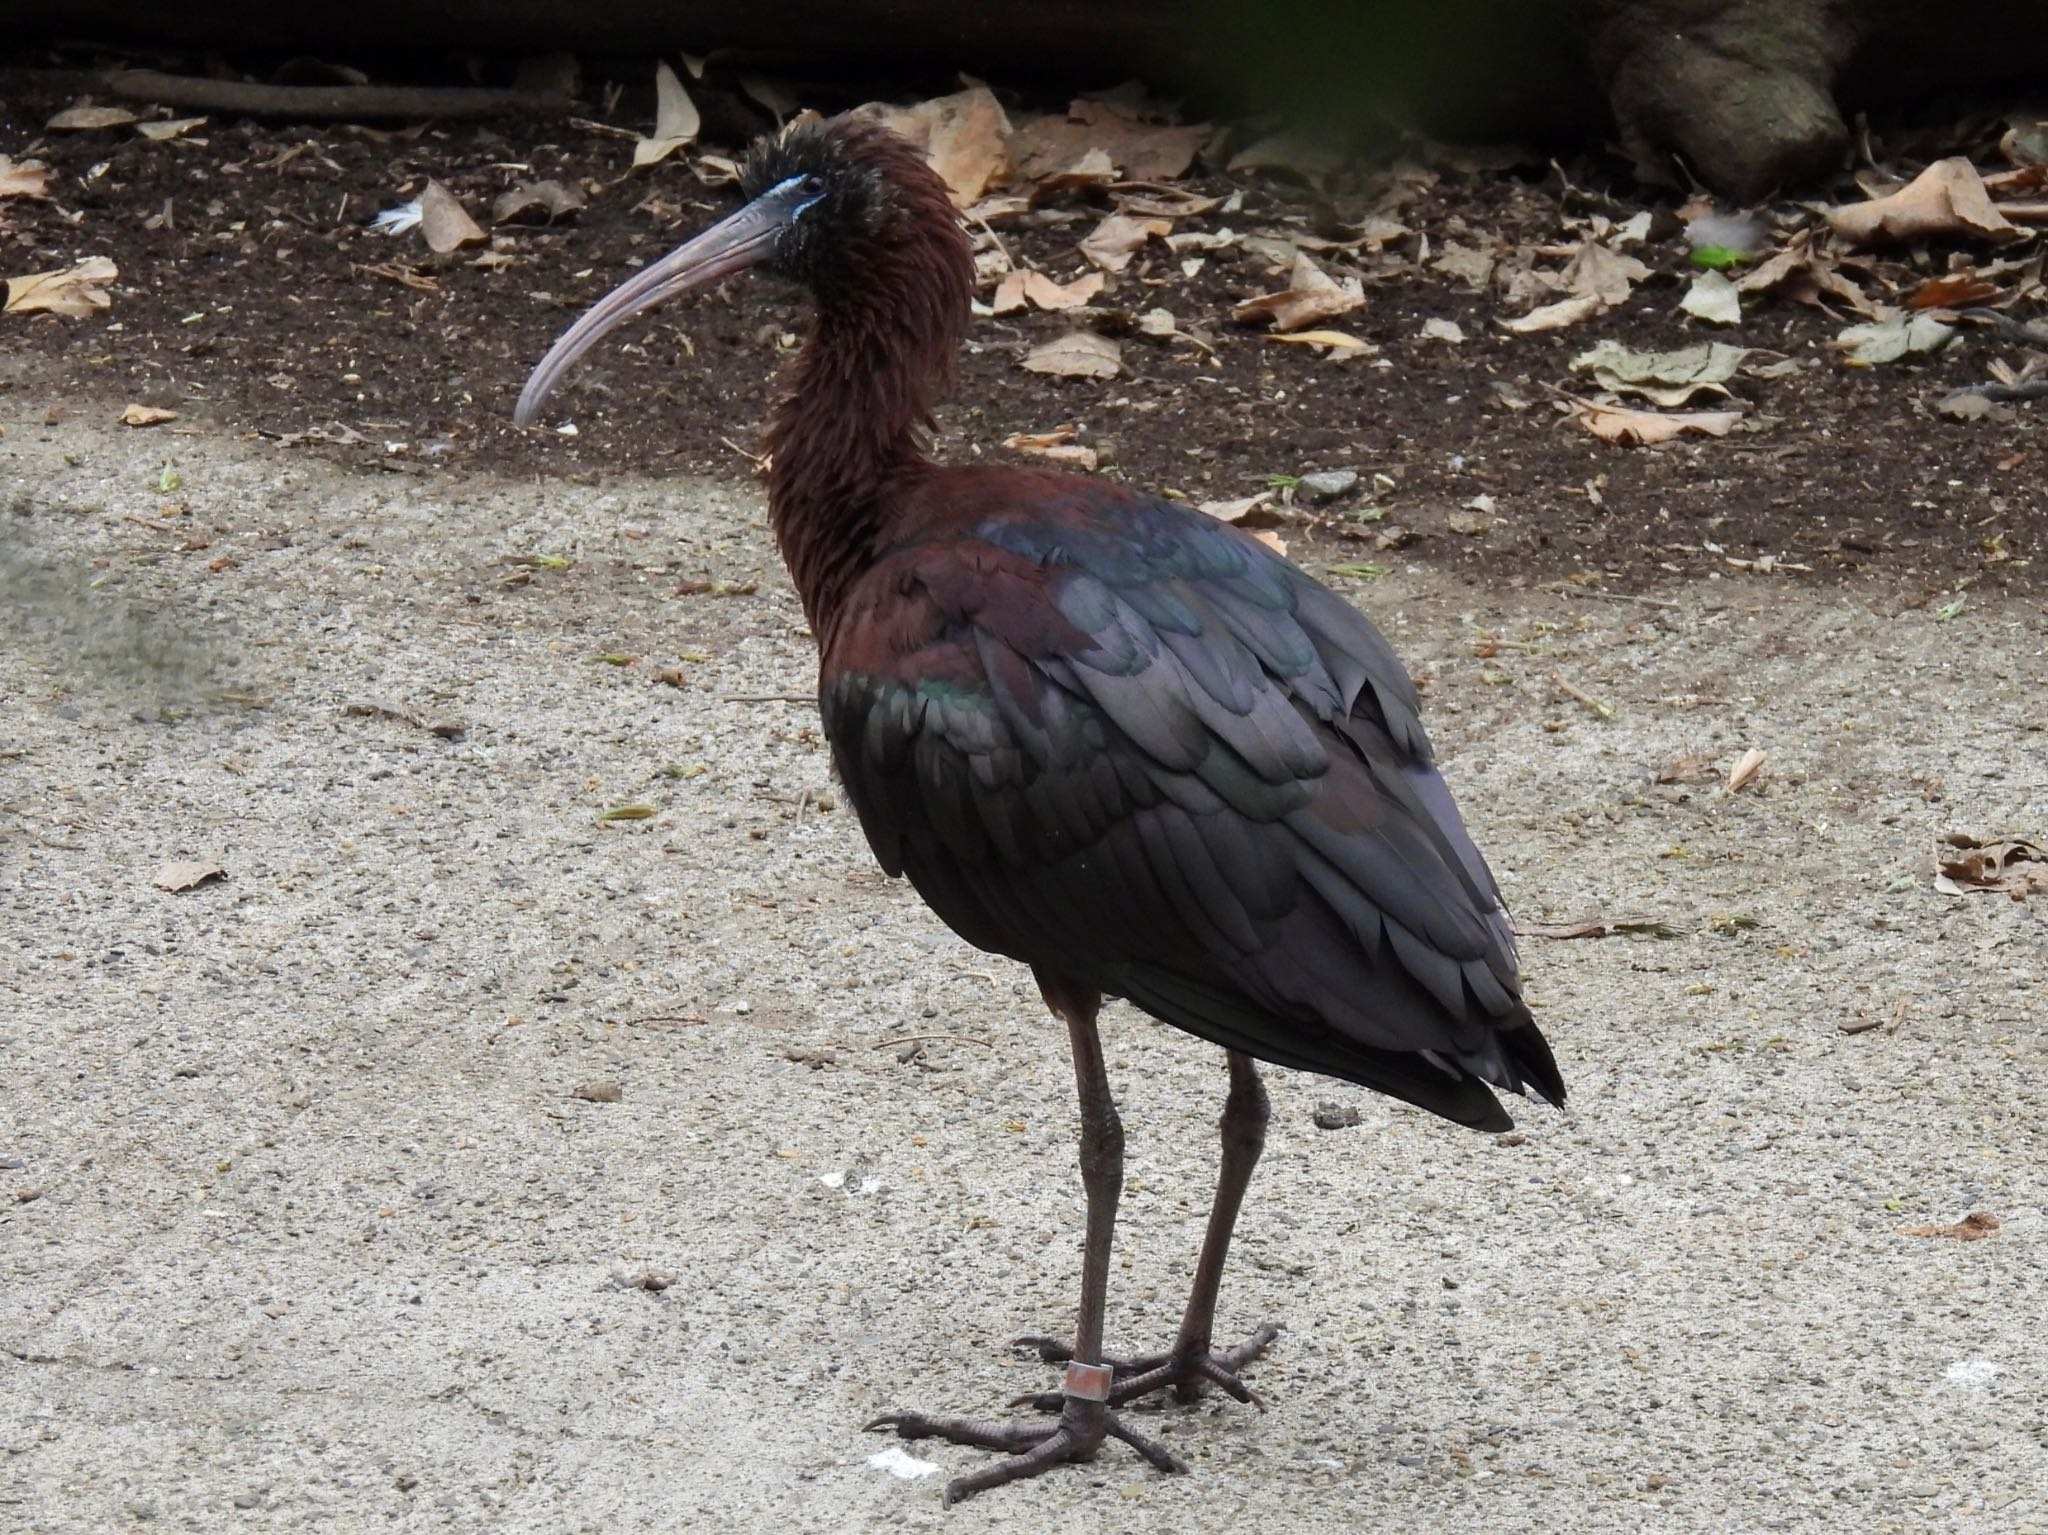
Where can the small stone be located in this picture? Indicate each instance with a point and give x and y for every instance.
(651, 1279)
(248, 1500)
(602, 1091)
(1326, 484)
(1332, 1116)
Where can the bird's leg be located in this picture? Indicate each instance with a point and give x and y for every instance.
(1085, 1418)
(1191, 1365)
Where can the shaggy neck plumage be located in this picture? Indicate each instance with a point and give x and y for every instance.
(859, 398)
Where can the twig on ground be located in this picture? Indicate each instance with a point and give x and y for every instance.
(911, 1039)
(1586, 591)
(1603, 709)
(350, 103)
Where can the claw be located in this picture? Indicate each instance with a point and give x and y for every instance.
(1032, 1447)
(1141, 1375)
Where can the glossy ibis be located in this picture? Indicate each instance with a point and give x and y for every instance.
(1106, 736)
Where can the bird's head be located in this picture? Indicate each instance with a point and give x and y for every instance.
(826, 202)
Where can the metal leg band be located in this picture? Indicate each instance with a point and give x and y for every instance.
(1087, 1382)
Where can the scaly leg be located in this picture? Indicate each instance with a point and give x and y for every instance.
(1085, 1419)
(1190, 1365)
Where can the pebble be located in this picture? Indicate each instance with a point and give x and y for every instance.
(1326, 484)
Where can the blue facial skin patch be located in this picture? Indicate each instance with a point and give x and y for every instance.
(783, 186)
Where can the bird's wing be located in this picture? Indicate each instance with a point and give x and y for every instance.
(1146, 752)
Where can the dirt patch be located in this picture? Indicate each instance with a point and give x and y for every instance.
(254, 295)
(308, 1218)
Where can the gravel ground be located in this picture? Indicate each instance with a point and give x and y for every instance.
(307, 1225)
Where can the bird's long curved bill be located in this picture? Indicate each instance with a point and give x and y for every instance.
(738, 242)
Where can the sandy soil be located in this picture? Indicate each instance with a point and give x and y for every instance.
(306, 1225)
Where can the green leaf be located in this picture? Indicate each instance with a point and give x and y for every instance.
(629, 813)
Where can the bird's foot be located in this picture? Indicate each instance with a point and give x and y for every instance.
(1032, 1447)
(1189, 1371)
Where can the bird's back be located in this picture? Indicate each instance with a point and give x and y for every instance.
(1110, 737)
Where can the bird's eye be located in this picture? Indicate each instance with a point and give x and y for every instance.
(813, 185)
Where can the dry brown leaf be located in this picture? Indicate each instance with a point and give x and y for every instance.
(1596, 272)
(965, 136)
(781, 100)
(1311, 296)
(1974, 1227)
(1030, 442)
(1146, 151)
(1019, 288)
(75, 291)
(2013, 866)
(1747, 766)
(1057, 445)
(186, 874)
(1112, 243)
(1272, 541)
(1958, 290)
(1665, 379)
(1617, 423)
(1566, 311)
(1142, 200)
(2025, 144)
(1047, 147)
(444, 222)
(1892, 335)
(675, 119)
(1947, 199)
(536, 201)
(146, 415)
(1238, 510)
(24, 178)
(715, 170)
(164, 129)
(1686, 767)
(1204, 240)
(1474, 268)
(1078, 354)
(1092, 169)
(404, 276)
(1371, 233)
(1340, 343)
(1713, 298)
(1805, 276)
(1314, 162)
(88, 119)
